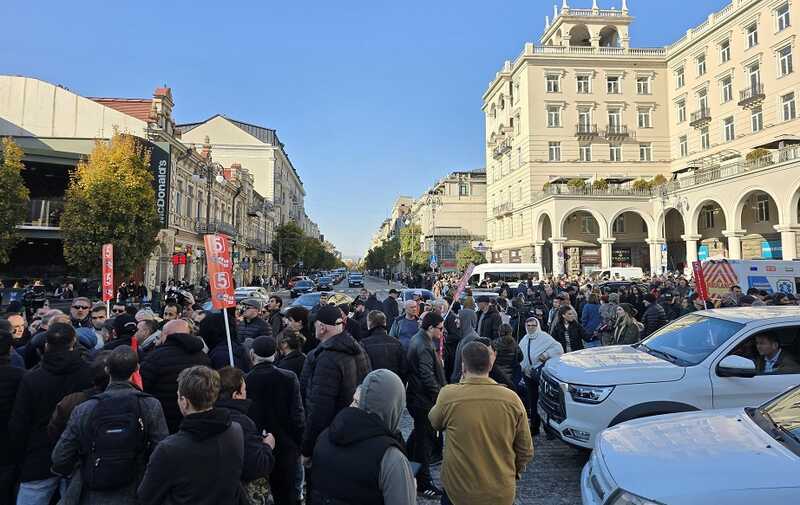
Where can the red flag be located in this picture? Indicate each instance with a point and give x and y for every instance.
(136, 378)
(107, 258)
(220, 271)
(699, 281)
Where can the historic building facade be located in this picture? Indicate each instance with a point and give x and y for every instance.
(580, 127)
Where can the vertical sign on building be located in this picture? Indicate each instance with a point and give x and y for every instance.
(107, 257)
(220, 279)
(160, 165)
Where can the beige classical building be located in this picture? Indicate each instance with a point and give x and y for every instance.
(576, 121)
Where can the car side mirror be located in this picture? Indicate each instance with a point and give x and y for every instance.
(736, 366)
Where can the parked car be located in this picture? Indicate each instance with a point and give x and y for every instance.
(295, 280)
(355, 279)
(325, 284)
(409, 294)
(250, 292)
(704, 360)
(301, 287)
(311, 300)
(740, 456)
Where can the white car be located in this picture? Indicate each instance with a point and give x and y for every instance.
(251, 292)
(704, 360)
(744, 456)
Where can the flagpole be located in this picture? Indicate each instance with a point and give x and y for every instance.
(228, 335)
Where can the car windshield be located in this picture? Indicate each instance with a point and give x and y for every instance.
(308, 300)
(689, 340)
(784, 412)
(324, 279)
(304, 284)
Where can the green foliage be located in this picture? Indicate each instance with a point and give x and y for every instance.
(658, 180)
(110, 199)
(600, 184)
(288, 245)
(385, 256)
(641, 185)
(757, 153)
(14, 201)
(576, 183)
(415, 257)
(466, 256)
(546, 186)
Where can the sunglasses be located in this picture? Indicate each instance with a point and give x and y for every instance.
(81, 307)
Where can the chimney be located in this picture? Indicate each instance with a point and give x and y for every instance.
(206, 152)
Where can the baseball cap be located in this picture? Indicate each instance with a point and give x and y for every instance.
(330, 315)
(124, 325)
(394, 292)
(253, 302)
(264, 347)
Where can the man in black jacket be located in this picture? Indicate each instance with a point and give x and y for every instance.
(274, 316)
(278, 409)
(202, 463)
(258, 458)
(654, 316)
(10, 377)
(62, 372)
(489, 319)
(251, 325)
(176, 351)
(390, 307)
(331, 374)
(425, 379)
(384, 351)
(372, 302)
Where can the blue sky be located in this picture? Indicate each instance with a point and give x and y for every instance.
(373, 99)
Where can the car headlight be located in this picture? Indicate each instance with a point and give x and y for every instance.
(589, 394)
(625, 498)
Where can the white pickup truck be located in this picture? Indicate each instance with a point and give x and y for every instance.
(704, 360)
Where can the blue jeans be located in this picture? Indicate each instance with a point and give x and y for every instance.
(445, 498)
(37, 492)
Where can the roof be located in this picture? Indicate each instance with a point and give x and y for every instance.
(266, 135)
(746, 315)
(134, 107)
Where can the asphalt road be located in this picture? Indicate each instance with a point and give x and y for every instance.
(552, 478)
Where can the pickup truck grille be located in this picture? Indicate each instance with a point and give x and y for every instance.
(551, 397)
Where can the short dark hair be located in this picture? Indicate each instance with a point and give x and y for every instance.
(99, 371)
(294, 339)
(60, 336)
(769, 336)
(278, 300)
(376, 319)
(431, 319)
(151, 324)
(298, 313)
(200, 385)
(131, 309)
(122, 362)
(476, 358)
(98, 307)
(171, 304)
(230, 380)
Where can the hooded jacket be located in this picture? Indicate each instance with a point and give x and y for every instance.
(489, 323)
(60, 373)
(372, 303)
(366, 440)
(199, 465)
(467, 318)
(161, 367)
(330, 375)
(258, 458)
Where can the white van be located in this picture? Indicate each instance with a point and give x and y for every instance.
(509, 273)
(772, 276)
(618, 274)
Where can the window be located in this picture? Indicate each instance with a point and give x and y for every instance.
(645, 152)
(708, 217)
(463, 189)
(725, 51)
(752, 35)
(515, 93)
(189, 201)
(762, 209)
(644, 117)
(614, 118)
(782, 15)
(519, 156)
(680, 79)
(643, 85)
(585, 152)
(754, 72)
(554, 151)
(681, 105)
(619, 225)
(615, 152)
(199, 204)
(179, 199)
(588, 225)
(757, 119)
(705, 138)
(553, 116)
(727, 89)
(785, 60)
(701, 65)
(583, 84)
(612, 85)
(553, 83)
(584, 120)
(702, 100)
(788, 107)
(684, 146)
(727, 126)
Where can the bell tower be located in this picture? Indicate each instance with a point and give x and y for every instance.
(588, 27)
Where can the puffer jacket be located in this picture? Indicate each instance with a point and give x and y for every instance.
(254, 328)
(653, 319)
(509, 356)
(330, 377)
(161, 367)
(425, 372)
(220, 359)
(489, 323)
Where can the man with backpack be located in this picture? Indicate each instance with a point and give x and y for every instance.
(111, 435)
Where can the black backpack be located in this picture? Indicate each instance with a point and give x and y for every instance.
(117, 441)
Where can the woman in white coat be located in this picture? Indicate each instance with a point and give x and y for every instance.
(537, 347)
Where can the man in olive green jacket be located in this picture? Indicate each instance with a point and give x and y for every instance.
(488, 440)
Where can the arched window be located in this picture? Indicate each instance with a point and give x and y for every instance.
(609, 37)
(580, 36)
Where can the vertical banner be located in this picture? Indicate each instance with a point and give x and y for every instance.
(220, 279)
(699, 280)
(107, 257)
(461, 285)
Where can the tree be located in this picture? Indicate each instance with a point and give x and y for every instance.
(385, 256)
(467, 255)
(411, 249)
(110, 199)
(600, 184)
(15, 197)
(288, 245)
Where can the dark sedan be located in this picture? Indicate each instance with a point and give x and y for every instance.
(325, 284)
(302, 287)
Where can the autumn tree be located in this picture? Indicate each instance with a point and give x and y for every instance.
(110, 199)
(15, 197)
(410, 248)
(467, 256)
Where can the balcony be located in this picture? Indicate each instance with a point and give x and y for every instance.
(589, 191)
(700, 118)
(752, 96)
(617, 132)
(44, 213)
(585, 131)
(503, 209)
(214, 227)
(502, 148)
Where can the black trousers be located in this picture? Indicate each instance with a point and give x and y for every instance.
(532, 385)
(283, 478)
(8, 480)
(421, 444)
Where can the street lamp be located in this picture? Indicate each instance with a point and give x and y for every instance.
(433, 200)
(210, 172)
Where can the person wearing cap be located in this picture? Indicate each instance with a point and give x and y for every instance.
(654, 316)
(251, 325)
(489, 319)
(390, 306)
(124, 328)
(212, 331)
(365, 439)
(358, 327)
(330, 375)
(425, 379)
(627, 330)
(277, 408)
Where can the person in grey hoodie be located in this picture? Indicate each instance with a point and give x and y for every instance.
(467, 320)
(365, 438)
